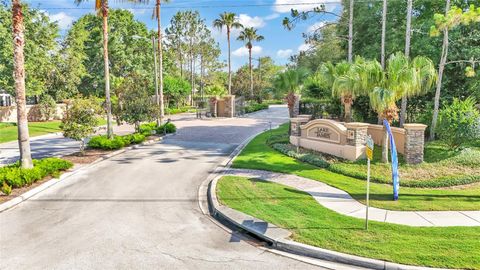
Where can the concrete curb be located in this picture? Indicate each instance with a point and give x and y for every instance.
(27, 195)
(284, 244)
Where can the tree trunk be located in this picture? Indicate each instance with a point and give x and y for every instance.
(384, 25)
(251, 70)
(229, 64)
(348, 111)
(108, 103)
(441, 68)
(408, 33)
(159, 96)
(155, 69)
(350, 32)
(19, 77)
(291, 103)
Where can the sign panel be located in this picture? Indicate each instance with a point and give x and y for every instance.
(393, 150)
(323, 133)
(369, 149)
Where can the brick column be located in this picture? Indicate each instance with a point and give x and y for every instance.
(295, 124)
(356, 133)
(213, 106)
(230, 106)
(414, 142)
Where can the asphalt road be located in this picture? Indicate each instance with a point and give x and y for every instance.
(139, 210)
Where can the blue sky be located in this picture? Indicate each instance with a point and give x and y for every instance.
(266, 15)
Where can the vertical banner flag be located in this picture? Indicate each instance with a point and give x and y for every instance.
(393, 149)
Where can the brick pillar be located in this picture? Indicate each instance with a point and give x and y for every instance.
(296, 106)
(414, 142)
(213, 106)
(295, 124)
(356, 133)
(230, 106)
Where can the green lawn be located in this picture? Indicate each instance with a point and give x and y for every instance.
(311, 223)
(8, 131)
(258, 155)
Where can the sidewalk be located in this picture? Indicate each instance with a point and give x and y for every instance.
(341, 202)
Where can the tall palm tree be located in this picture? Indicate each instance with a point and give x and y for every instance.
(19, 77)
(290, 82)
(249, 35)
(159, 97)
(230, 21)
(102, 7)
(402, 77)
(384, 26)
(408, 34)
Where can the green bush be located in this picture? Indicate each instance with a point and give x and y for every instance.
(6, 189)
(289, 150)
(147, 128)
(16, 177)
(117, 142)
(167, 128)
(255, 107)
(320, 108)
(459, 122)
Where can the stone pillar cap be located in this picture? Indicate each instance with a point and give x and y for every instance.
(415, 126)
(298, 119)
(354, 125)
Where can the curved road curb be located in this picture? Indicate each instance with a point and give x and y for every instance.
(27, 195)
(274, 235)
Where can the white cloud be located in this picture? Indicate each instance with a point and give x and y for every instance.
(284, 53)
(272, 16)
(284, 6)
(248, 21)
(63, 19)
(304, 47)
(314, 27)
(243, 51)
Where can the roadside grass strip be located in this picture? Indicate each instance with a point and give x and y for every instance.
(313, 224)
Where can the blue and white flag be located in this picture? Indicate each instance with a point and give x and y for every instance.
(393, 149)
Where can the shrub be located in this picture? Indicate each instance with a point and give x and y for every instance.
(459, 122)
(80, 120)
(6, 189)
(255, 107)
(147, 129)
(16, 177)
(288, 149)
(117, 142)
(167, 128)
(47, 107)
(320, 108)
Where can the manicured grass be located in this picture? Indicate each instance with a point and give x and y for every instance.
(8, 131)
(258, 155)
(311, 223)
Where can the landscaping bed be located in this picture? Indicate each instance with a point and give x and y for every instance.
(313, 224)
(14, 177)
(258, 154)
(255, 107)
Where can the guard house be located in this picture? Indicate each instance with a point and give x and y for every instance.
(6, 100)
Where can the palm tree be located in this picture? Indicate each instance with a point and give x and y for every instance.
(290, 82)
(102, 7)
(408, 34)
(345, 81)
(159, 97)
(230, 21)
(249, 35)
(19, 77)
(402, 77)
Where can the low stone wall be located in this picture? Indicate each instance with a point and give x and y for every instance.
(347, 140)
(9, 114)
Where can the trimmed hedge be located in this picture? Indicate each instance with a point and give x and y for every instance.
(149, 128)
(16, 177)
(117, 142)
(255, 107)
